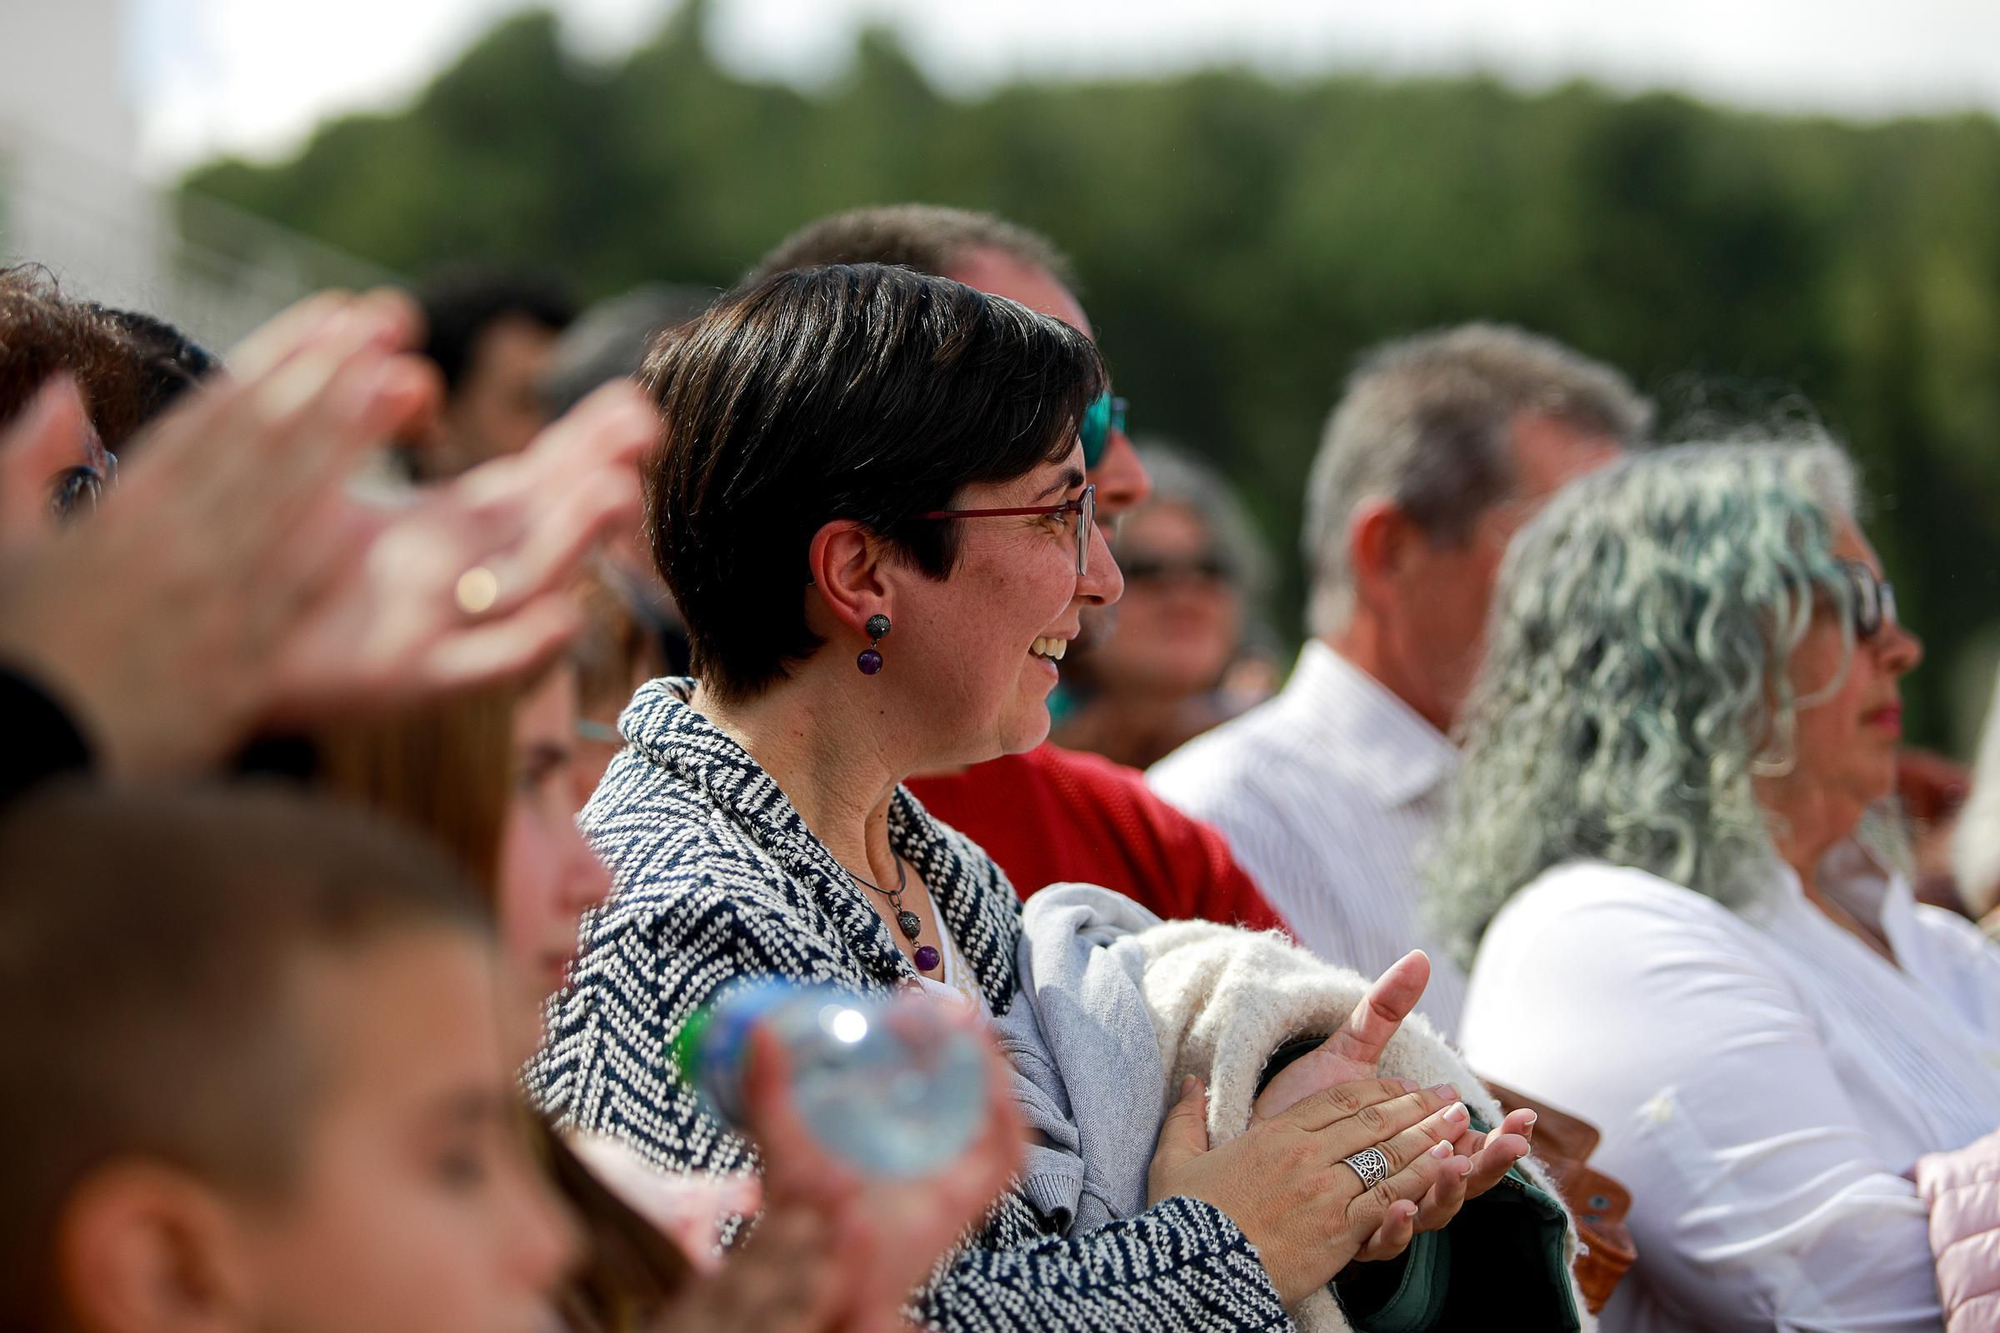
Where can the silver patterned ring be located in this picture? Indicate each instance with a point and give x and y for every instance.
(1371, 1164)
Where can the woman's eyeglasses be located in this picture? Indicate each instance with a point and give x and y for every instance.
(1081, 513)
(1104, 415)
(1874, 602)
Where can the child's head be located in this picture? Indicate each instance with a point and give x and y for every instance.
(485, 775)
(253, 1077)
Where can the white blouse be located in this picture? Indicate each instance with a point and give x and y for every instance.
(1762, 1080)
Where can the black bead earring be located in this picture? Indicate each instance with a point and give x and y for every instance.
(870, 660)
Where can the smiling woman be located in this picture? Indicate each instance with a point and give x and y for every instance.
(871, 508)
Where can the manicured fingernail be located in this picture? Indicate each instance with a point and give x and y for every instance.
(1405, 1209)
(1407, 1084)
(1442, 1151)
(1455, 1113)
(1530, 1119)
(1465, 1166)
(1446, 1091)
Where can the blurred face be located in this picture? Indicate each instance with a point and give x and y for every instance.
(1445, 589)
(548, 875)
(1121, 480)
(979, 649)
(498, 408)
(416, 1209)
(1181, 618)
(1849, 725)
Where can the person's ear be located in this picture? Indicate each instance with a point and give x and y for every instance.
(848, 563)
(144, 1248)
(1380, 539)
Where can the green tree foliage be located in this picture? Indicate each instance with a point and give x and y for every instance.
(1239, 240)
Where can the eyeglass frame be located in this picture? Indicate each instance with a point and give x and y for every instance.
(1873, 605)
(1084, 507)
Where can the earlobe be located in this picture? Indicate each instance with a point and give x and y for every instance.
(143, 1248)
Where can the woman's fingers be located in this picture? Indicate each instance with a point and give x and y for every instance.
(1345, 1101)
(1398, 1229)
(1447, 1195)
(1494, 1159)
(1370, 1209)
(1439, 1129)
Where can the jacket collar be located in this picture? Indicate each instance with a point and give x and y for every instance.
(975, 898)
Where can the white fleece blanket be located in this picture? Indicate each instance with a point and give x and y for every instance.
(1117, 1007)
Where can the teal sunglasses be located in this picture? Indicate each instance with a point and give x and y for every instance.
(1104, 415)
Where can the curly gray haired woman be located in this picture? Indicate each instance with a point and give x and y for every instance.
(1689, 703)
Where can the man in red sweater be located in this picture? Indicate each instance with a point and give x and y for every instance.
(1049, 815)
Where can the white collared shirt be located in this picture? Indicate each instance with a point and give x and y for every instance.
(1762, 1079)
(1328, 794)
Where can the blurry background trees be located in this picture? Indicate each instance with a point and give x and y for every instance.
(1239, 240)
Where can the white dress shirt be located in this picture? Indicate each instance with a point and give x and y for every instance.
(1762, 1079)
(1328, 794)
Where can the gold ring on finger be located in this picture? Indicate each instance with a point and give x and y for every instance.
(477, 590)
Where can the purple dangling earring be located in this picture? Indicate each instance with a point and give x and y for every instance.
(870, 660)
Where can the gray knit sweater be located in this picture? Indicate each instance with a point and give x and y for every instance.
(717, 877)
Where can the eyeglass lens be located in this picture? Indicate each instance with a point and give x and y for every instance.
(1086, 519)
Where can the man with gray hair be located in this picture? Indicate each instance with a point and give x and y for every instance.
(1443, 445)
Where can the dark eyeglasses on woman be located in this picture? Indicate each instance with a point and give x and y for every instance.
(1873, 604)
(1080, 512)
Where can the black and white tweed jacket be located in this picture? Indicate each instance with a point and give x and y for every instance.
(717, 877)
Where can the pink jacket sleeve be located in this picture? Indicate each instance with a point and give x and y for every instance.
(1962, 1189)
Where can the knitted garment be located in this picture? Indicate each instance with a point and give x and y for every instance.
(1962, 1190)
(717, 878)
(1222, 1000)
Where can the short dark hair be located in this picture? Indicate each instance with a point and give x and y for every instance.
(43, 332)
(929, 238)
(850, 392)
(166, 361)
(148, 946)
(461, 302)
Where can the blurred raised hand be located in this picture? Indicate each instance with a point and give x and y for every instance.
(233, 580)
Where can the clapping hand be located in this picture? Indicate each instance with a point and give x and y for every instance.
(1354, 1053)
(232, 580)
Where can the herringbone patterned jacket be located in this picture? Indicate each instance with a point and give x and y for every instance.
(717, 877)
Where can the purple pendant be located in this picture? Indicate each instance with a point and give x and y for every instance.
(869, 661)
(927, 959)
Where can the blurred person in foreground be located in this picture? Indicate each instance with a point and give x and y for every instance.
(232, 571)
(1048, 815)
(925, 540)
(1441, 447)
(491, 333)
(1155, 674)
(1657, 844)
(279, 1099)
(45, 336)
(486, 774)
